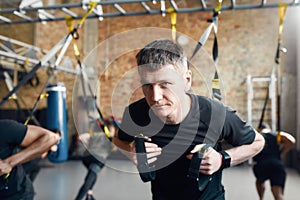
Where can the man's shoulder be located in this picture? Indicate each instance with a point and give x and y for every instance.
(206, 103)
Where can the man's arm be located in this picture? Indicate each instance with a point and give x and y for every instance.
(37, 140)
(288, 142)
(128, 149)
(242, 153)
(212, 160)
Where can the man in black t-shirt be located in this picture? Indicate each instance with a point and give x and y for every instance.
(34, 141)
(176, 124)
(268, 163)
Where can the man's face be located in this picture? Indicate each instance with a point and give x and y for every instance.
(165, 90)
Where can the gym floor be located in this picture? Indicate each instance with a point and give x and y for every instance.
(118, 180)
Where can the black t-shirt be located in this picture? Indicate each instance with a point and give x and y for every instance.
(177, 140)
(12, 134)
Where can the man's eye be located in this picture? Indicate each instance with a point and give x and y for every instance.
(165, 84)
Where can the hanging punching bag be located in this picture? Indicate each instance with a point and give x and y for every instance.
(56, 120)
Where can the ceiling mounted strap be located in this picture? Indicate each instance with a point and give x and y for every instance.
(216, 92)
(83, 75)
(173, 16)
(282, 8)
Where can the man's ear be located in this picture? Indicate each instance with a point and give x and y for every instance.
(188, 78)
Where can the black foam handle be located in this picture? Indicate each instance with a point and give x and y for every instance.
(194, 173)
(147, 172)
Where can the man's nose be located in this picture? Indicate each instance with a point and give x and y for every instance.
(156, 93)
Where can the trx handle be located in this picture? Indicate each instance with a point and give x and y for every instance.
(147, 172)
(194, 168)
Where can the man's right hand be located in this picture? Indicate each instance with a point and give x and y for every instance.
(5, 168)
(152, 151)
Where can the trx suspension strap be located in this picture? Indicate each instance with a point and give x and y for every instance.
(146, 171)
(15, 97)
(193, 172)
(218, 114)
(263, 112)
(218, 119)
(173, 15)
(216, 92)
(83, 75)
(281, 11)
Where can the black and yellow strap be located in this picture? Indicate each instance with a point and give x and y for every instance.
(146, 171)
(216, 88)
(40, 97)
(173, 15)
(194, 167)
(282, 8)
(75, 35)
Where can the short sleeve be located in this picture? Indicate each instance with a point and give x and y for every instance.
(236, 131)
(13, 132)
(124, 127)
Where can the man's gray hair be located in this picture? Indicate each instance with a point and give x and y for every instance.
(161, 52)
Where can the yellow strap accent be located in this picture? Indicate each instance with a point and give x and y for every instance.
(278, 137)
(70, 22)
(91, 132)
(282, 7)
(26, 63)
(12, 97)
(106, 131)
(43, 96)
(76, 50)
(219, 6)
(7, 175)
(173, 14)
(92, 6)
(200, 147)
(215, 83)
(27, 120)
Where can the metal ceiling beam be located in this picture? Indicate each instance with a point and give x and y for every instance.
(16, 53)
(145, 9)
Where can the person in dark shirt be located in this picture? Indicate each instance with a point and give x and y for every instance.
(268, 164)
(19, 144)
(176, 123)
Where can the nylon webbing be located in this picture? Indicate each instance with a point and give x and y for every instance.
(194, 173)
(213, 132)
(146, 171)
(83, 76)
(282, 8)
(263, 112)
(173, 15)
(216, 92)
(39, 98)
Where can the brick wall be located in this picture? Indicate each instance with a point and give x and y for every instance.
(247, 45)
